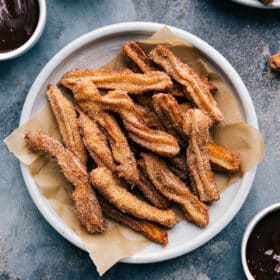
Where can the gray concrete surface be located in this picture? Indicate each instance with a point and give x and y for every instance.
(29, 247)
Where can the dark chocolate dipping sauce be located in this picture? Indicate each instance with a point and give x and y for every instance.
(263, 248)
(18, 21)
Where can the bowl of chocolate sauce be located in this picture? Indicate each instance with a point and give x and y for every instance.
(260, 250)
(21, 25)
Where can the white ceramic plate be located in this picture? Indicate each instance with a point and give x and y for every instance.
(255, 3)
(94, 49)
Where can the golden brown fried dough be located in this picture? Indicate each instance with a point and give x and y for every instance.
(145, 100)
(133, 83)
(146, 187)
(196, 125)
(184, 107)
(221, 159)
(156, 141)
(195, 88)
(168, 110)
(175, 190)
(179, 166)
(86, 205)
(151, 231)
(87, 96)
(206, 81)
(177, 90)
(66, 117)
(103, 181)
(149, 117)
(96, 142)
(134, 53)
(274, 61)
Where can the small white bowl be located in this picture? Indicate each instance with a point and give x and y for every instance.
(248, 232)
(33, 39)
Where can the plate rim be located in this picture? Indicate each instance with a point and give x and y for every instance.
(40, 201)
(257, 5)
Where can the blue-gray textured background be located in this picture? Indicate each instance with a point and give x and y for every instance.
(29, 247)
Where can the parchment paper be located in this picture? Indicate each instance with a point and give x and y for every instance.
(119, 242)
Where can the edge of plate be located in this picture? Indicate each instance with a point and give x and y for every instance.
(245, 99)
(258, 5)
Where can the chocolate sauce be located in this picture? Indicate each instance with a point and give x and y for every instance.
(263, 248)
(18, 20)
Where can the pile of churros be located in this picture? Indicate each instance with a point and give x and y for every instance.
(136, 142)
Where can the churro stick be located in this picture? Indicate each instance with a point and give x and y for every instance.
(96, 142)
(133, 83)
(168, 110)
(103, 181)
(86, 205)
(65, 114)
(196, 125)
(222, 159)
(134, 53)
(151, 231)
(274, 61)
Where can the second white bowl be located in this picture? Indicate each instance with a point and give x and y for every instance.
(248, 232)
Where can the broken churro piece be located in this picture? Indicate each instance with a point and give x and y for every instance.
(87, 96)
(175, 190)
(65, 114)
(133, 83)
(96, 142)
(195, 87)
(156, 141)
(151, 231)
(221, 159)
(196, 125)
(137, 56)
(274, 61)
(103, 181)
(86, 205)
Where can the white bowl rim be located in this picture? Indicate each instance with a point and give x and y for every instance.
(33, 39)
(257, 4)
(255, 220)
(244, 97)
